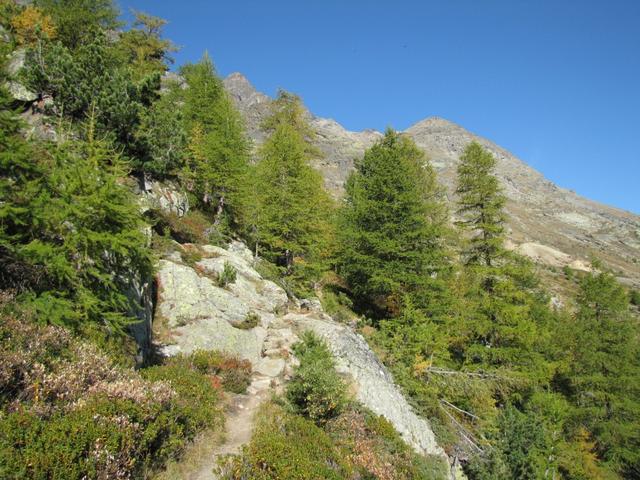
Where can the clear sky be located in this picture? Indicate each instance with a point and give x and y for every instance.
(556, 82)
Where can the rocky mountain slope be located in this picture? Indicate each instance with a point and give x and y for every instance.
(548, 223)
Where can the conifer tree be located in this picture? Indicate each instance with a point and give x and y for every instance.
(392, 226)
(76, 21)
(76, 231)
(291, 219)
(143, 47)
(480, 206)
(604, 373)
(217, 166)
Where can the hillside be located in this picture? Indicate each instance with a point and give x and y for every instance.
(555, 225)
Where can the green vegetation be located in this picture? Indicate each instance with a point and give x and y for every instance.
(316, 391)
(68, 412)
(315, 433)
(392, 227)
(228, 275)
(217, 153)
(480, 207)
(516, 388)
(290, 219)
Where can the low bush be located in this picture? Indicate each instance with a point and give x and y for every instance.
(252, 320)
(191, 256)
(356, 445)
(634, 297)
(288, 446)
(337, 304)
(233, 374)
(190, 228)
(377, 450)
(227, 276)
(316, 390)
(69, 412)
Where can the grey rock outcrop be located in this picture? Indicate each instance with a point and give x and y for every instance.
(540, 212)
(164, 196)
(18, 91)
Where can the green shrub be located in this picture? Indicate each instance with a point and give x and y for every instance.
(316, 390)
(191, 256)
(568, 272)
(102, 438)
(251, 320)
(288, 446)
(228, 275)
(190, 228)
(233, 374)
(377, 450)
(69, 412)
(337, 304)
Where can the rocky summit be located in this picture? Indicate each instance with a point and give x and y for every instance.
(550, 224)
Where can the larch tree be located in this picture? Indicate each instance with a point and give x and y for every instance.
(216, 170)
(392, 226)
(291, 221)
(480, 206)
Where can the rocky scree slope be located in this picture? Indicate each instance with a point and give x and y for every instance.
(194, 312)
(548, 223)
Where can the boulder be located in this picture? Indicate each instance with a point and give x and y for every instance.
(202, 315)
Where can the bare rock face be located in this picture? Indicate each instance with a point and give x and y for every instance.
(203, 315)
(540, 212)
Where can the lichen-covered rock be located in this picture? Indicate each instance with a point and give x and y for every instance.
(164, 196)
(203, 315)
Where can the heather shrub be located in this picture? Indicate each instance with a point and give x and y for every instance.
(196, 394)
(316, 391)
(377, 450)
(251, 320)
(190, 228)
(233, 374)
(68, 412)
(103, 437)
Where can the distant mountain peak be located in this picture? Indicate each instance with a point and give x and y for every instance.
(241, 88)
(541, 214)
(434, 123)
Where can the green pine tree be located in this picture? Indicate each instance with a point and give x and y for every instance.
(217, 164)
(76, 232)
(291, 221)
(480, 206)
(603, 378)
(143, 47)
(392, 227)
(76, 21)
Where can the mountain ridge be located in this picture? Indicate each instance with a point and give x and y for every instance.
(542, 214)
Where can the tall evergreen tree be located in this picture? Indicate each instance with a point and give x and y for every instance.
(74, 229)
(291, 219)
(217, 166)
(392, 226)
(143, 47)
(480, 206)
(603, 378)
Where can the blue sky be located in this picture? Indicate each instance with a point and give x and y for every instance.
(557, 82)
